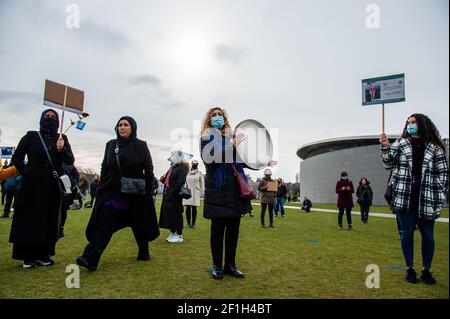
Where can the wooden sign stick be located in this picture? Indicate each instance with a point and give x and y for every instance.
(382, 118)
(63, 111)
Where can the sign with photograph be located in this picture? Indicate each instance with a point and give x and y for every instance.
(6, 151)
(387, 89)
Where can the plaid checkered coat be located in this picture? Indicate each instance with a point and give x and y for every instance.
(434, 186)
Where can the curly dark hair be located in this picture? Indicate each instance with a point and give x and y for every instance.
(367, 181)
(425, 129)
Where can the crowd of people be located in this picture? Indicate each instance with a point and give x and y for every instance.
(123, 195)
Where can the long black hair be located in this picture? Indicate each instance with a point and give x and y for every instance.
(425, 129)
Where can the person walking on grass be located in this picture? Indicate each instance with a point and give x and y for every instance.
(344, 189)
(171, 216)
(35, 225)
(281, 198)
(364, 194)
(72, 173)
(12, 187)
(268, 198)
(196, 184)
(419, 187)
(93, 191)
(123, 196)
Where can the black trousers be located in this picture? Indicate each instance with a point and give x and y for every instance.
(3, 197)
(10, 198)
(63, 218)
(364, 213)
(110, 221)
(348, 211)
(263, 213)
(188, 214)
(227, 228)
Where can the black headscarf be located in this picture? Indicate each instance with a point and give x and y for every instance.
(49, 125)
(124, 143)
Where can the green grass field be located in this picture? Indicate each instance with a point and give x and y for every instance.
(374, 209)
(305, 256)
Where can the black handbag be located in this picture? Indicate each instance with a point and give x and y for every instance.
(185, 192)
(388, 192)
(129, 185)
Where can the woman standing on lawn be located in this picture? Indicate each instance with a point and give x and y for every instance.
(125, 156)
(419, 187)
(171, 216)
(222, 205)
(268, 198)
(36, 219)
(196, 184)
(344, 189)
(364, 194)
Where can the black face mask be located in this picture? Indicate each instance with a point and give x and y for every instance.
(49, 124)
(194, 166)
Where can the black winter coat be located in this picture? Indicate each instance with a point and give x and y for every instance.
(171, 216)
(135, 162)
(226, 202)
(364, 195)
(38, 207)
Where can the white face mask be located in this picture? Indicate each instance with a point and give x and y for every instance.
(176, 157)
(344, 178)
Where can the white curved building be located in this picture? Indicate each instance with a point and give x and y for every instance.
(323, 162)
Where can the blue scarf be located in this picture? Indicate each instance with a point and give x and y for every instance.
(220, 173)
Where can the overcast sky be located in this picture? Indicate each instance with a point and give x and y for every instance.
(295, 66)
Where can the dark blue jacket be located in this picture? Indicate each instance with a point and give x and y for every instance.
(13, 184)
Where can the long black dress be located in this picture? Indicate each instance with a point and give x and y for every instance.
(140, 213)
(171, 216)
(35, 225)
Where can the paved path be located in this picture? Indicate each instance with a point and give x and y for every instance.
(440, 220)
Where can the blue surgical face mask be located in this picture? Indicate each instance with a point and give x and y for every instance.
(218, 122)
(411, 129)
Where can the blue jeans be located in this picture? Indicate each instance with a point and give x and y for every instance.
(408, 221)
(279, 206)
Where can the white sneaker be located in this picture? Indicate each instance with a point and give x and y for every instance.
(171, 235)
(176, 239)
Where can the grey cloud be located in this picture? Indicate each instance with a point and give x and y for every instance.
(99, 34)
(145, 79)
(8, 95)
(228, 54)
(173, 105)
(18, 101)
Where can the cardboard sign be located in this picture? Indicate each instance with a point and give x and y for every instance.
(272, 186)
(54, 97)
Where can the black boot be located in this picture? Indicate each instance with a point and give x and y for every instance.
(144, 253)
(427, 277)
(217, 272)
(233, 271)
(411, 275)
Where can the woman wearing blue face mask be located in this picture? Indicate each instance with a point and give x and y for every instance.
(419, 187)
(223, 204)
